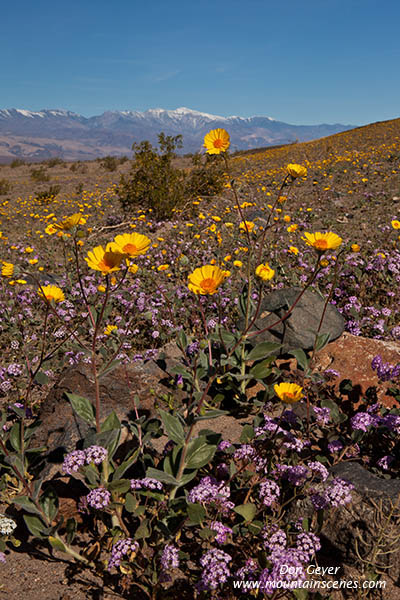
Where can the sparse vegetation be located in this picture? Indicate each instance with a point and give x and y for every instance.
(40, 175)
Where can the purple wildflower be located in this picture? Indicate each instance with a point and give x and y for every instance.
(169, 557)
(73, 461)
(98, 498)
(121, 549)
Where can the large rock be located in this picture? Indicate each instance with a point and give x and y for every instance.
(299, 329)
(370, 523)
(351, 357)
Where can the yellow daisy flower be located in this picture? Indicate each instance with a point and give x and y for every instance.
(105, 261)
(296, 170)
(250, 226)
(322, 241)
(217, 141)
(69, 222)
(109, 329)
(265, 272)
(288, 392)
(206, 279)
(7, 269)
(132, 244)
(395, 224)
(355, 248)
(293, 250)
(52, 292)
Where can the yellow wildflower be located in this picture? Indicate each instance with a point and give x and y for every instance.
(132, 244)
(102, 260)
(265, 272)
(296, 170)
(217, 141)
(206, 279)
(288, 392)
(322, 241)
(51, 292)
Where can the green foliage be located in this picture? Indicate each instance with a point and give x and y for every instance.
(109, 163)
(154, 182)
(17, 162)
(5, 186)
(53, 162)
(46, 196)
(39, 175)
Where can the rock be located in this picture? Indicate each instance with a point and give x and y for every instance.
(354, 529)
(351, 357)
(300, 328)
(145, 379)
(148, 380)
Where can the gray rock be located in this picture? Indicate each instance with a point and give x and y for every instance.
(299, 329)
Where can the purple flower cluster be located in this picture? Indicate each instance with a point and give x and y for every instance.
(169, 557)
(78, 458)
(147, 483)
(222, 531)
(215, 569)
(210, 490)
(338, 493)
(98, 498)
(269, 492)
(121, 549)
(385, 371)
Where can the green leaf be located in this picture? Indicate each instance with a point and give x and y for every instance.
(247, 434)
(173, 427)
(121, 486)
(49, 502)
(211, 414)
(71, 528)
(15, 436)
(301, 357)
(247, 511)
(120, 471)
(35, 526)
(182, 339)
(321, 341)
(41, 378)
(196, 513)
(131, 503)
(161, 476)
(57, 544)
(113, 365)
(142, 531)
(261, 370)
(199, 453)
(263, 350)
(83, 408)
(111, 422)
(27, 504)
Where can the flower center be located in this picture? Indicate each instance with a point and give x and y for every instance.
(321, 244)
(208, 284)
(129, 248)
(218, 143)
(289, 397)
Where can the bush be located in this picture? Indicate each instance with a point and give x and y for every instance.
(78, 167)
(53, 162)
(155, 183)
(39, 174)
(48, 195)
(17, 162)
(5, 186)
(109, 163)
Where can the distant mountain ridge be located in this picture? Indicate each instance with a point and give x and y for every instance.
(37, 135)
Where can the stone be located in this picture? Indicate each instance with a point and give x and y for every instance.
(354, 529)
(351, 357)
(299, 329)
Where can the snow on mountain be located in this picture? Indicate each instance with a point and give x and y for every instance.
(113, 132)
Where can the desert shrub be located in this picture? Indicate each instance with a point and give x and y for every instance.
(5, 186)
(53, 162)
(109, 163)
(206, 178)
(17, 162)
(49, 194)
(78, 167)
(155, 183)
(39, 174)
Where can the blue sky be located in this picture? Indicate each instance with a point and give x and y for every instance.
(325, 61)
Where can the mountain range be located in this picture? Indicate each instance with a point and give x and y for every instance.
(46, 133)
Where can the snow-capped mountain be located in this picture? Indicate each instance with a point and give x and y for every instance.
(38, 135)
